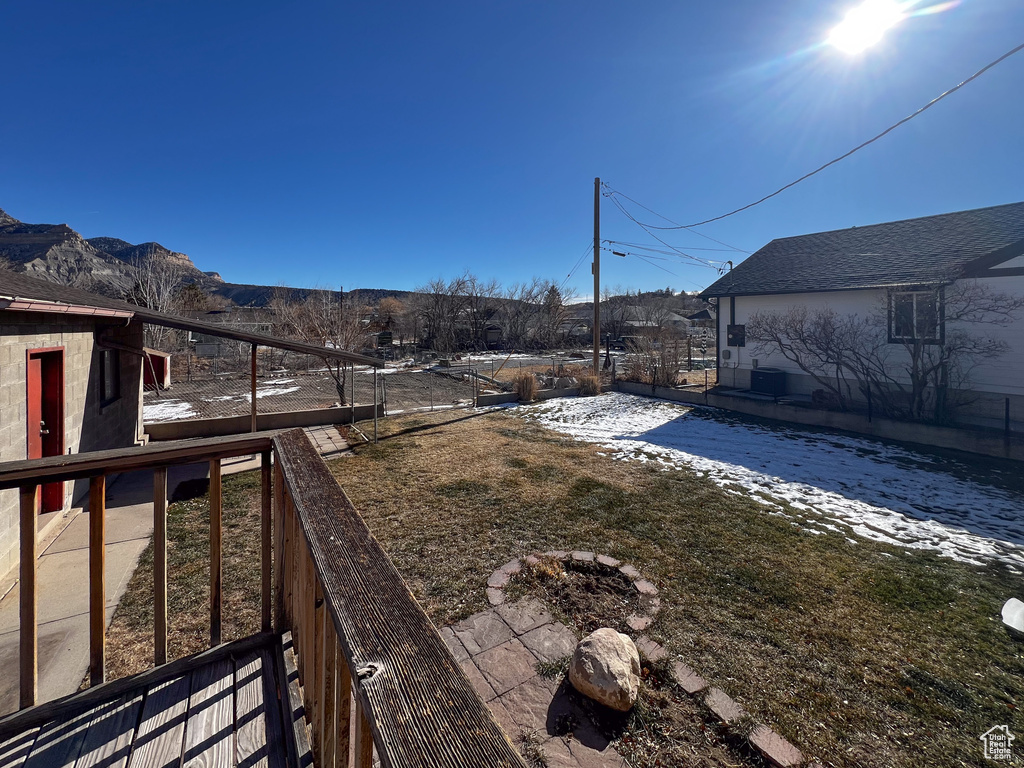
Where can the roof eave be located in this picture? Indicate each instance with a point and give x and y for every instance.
(14, 304)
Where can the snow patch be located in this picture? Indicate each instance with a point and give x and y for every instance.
(167, 410)
(877, 491)
(271, 391)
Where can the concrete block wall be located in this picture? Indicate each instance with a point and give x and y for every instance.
(88, 426)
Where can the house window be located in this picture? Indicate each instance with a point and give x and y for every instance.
(110, 376)
(915, 316)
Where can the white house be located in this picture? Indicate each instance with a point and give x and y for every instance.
(902, 276)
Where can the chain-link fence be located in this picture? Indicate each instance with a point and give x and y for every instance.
(213, 378)
(216, 381)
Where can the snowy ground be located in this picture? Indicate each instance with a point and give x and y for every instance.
(969, 510)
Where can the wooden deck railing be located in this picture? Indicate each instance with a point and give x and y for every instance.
(368, 659)
(95, 466)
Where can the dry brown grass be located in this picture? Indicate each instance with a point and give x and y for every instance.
(130, 635)
(525, 386)
(863, 655)
(590, 385)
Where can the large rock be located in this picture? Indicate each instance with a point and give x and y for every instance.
(606, 668)
(1013, 617)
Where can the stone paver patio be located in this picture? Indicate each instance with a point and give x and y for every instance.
(499, 650)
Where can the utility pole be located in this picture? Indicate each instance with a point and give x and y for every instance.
(596, 268)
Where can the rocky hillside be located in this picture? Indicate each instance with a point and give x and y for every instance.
(56, 252)
(104, 264)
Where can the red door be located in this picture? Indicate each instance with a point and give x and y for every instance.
(45, 428)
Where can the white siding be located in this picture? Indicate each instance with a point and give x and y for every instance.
(993, 380)
(1004, 375)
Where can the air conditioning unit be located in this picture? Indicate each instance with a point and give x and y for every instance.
(726, 354)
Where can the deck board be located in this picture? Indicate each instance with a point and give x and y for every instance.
(250, 713)
(15, 750)
(222, 711)
(210, 732)
(111, 733)
(161, 731)
(59, 742)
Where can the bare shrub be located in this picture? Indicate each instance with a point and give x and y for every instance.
(590, 385)
(525, 385)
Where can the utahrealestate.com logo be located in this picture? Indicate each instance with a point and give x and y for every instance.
(997, 741)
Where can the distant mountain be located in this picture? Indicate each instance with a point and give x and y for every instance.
(261, 295)
(58, 253)
(104, 264)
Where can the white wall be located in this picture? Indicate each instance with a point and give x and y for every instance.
(1003, 375)
(738, 367)
(993, 380)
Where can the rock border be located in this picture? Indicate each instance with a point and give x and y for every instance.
(777, 750)
(650, 603)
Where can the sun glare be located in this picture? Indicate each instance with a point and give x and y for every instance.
(865, 25)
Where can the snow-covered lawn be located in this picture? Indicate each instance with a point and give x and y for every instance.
(965, 510)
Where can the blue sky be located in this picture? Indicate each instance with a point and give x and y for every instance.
(384, 144)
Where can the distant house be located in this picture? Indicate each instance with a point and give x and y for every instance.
(700, 320)
(250, 319)
(904, 269)
(70, 381)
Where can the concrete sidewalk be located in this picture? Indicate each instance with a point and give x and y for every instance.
(63, 573)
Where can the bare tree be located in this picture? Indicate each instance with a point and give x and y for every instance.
(322, 319)
(816, 340)
(614, 311)
(441, 306)
(519, 311)
(481, 305)
(154, 283)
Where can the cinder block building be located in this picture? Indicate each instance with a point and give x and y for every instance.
(70, 381)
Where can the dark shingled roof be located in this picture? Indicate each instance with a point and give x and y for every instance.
(17, 285)
(914, 251)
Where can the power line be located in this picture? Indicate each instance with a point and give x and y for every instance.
(859, 147)
(666, 218)
(627, 214)
(689, 247)
(586, 251)
(663, 269)
(651, 249)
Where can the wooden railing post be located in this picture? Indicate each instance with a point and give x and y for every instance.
(97, 588)
(363, 757)
(279, 548)
(29, 629)
(343, 718)
(318, 672)
(160, 565)
(267, 533)
(216, 566)
(330, 710)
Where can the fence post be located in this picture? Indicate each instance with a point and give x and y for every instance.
(252, 399)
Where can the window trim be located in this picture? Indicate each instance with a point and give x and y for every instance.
(940, 321)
